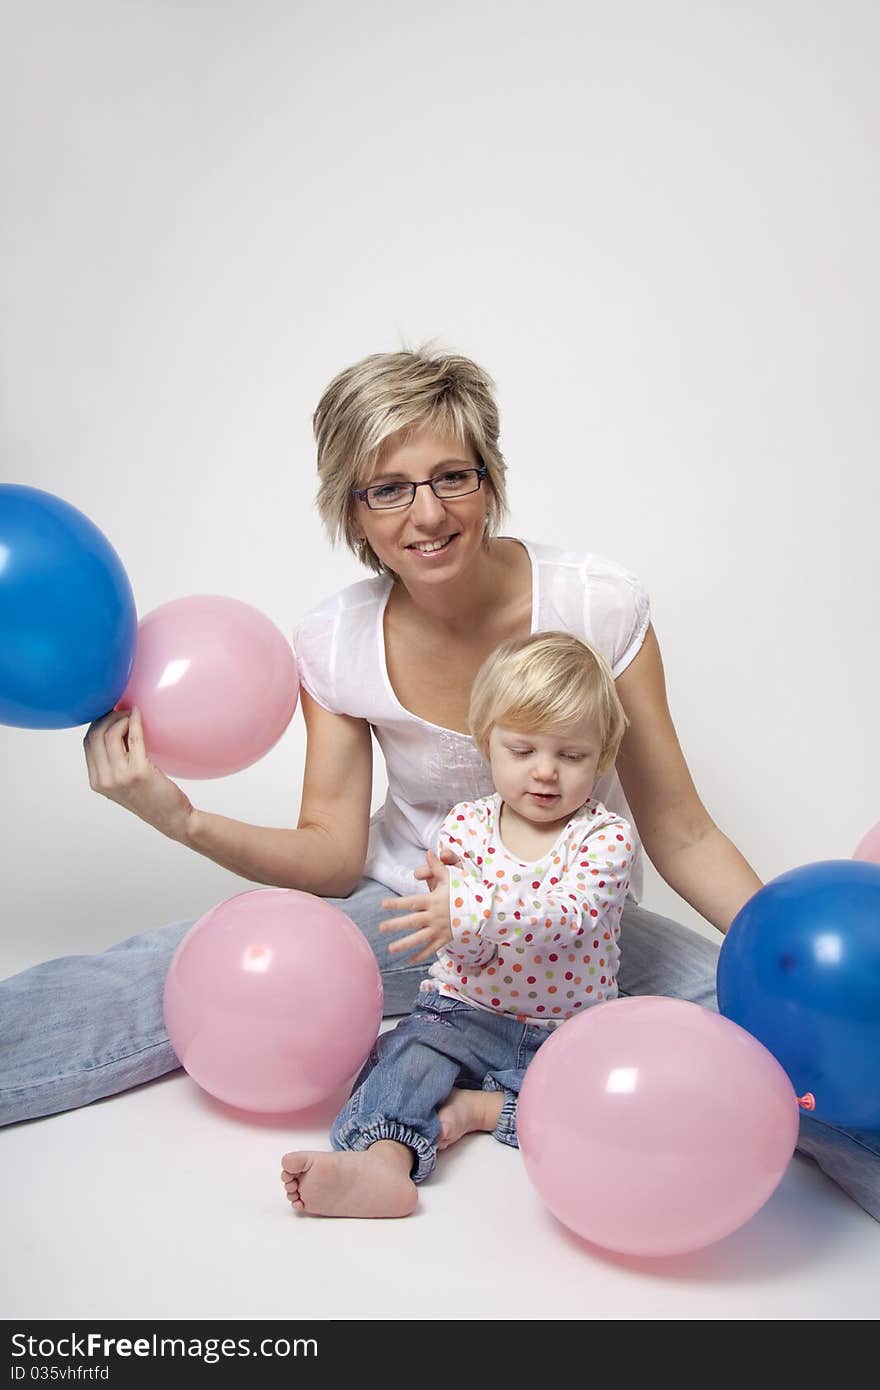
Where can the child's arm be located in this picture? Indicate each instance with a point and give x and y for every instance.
(434, 919)
(466, 946)
(589, 895)
(469, 945)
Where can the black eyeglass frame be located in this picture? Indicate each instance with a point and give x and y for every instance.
(361, 492)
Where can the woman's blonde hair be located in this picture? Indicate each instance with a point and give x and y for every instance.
(542, 683)
(393, 394)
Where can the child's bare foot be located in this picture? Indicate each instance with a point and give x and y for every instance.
(375, 1182)
(466, 1111)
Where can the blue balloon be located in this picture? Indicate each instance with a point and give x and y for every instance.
(800, 970)
(68, 623)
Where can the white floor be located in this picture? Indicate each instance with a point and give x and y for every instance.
(162, 1203)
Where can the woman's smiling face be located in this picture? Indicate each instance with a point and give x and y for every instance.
(433, 539)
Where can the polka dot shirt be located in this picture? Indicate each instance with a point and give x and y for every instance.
(534, 940)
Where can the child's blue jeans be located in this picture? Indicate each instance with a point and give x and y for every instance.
(410, 1072)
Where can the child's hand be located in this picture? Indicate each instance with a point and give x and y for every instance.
(428, 914)
(425, 872)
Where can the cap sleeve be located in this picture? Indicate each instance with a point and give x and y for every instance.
(617, 615)
(314, 645)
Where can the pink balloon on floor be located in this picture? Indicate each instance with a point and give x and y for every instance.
(652, 1126)
(216, 683)
(273, 1000)
(868, 848)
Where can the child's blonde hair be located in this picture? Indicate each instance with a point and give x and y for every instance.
(541, 683)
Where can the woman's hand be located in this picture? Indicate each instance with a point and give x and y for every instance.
(120, 770)
(428, 913)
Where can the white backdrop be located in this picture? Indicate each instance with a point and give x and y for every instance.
(655, 223)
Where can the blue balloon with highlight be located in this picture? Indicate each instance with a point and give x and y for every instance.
(800, 971)
(68, 623)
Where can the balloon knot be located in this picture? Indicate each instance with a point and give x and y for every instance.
(807, 1102)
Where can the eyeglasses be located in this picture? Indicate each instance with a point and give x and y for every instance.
(385, 497)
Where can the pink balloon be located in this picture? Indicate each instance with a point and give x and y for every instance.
(216, 683)
(273, 1000)
(652, 1126)
(868, 848)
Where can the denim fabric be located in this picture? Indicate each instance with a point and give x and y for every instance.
(411, 1071)
(81, 1028)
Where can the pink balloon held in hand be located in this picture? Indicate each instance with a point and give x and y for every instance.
(652, 1126)
(868, 848)
(216, 683)
(273, 1000)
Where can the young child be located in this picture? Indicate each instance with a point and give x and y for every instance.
(522, 912)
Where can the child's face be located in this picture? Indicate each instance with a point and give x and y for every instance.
(545, 777)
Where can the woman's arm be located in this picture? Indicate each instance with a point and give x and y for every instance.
(325, 854)
(682, 841)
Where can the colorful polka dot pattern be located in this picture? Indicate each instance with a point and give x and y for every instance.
(538, 941)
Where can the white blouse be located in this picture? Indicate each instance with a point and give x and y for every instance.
(340, 651)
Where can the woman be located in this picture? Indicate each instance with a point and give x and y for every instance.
(412, 478)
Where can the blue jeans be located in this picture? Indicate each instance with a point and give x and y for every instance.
(81, 1028)
(410, 1072)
